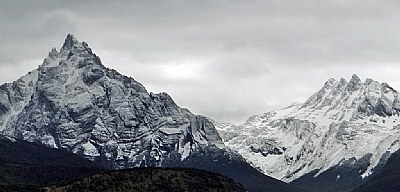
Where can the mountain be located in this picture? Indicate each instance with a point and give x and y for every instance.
(152, 179)
(24, 165)
(74, 103)
(341, 135)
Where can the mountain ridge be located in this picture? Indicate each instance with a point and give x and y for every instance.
(341, 123)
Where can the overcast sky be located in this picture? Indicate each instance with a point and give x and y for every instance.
(224, 59)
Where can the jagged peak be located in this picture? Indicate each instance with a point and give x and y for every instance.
(354, 83)
(70, 41)
(342, 82)
(73, 50)
(330, 82)
(53, 53)
(386, 86)
(355, 79)
(368, 81)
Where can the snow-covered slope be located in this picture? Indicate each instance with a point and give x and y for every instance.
(344, 123)
(74, 102)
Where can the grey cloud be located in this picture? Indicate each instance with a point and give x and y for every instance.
(238, 67)
(241, 57)
(29, 35)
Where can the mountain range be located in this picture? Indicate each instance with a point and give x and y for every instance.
(345, 137)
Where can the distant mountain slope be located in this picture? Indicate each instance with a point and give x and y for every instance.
(331, 142)
(24, 163)
(235, 167)
(152, 179)
(387, 179)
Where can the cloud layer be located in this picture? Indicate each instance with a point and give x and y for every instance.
(224, 59)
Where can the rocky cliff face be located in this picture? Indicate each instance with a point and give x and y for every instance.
(352, 126)
(72, 101)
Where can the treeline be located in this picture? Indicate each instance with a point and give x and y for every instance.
(151, 179)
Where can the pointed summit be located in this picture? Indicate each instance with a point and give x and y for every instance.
(73, 47)
(354, 83)
(53, 53)
(69, 42)
(355, 79)
(330, 82)
(342, 82)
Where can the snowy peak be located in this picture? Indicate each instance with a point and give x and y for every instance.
(329, 83)
(73, 52)
(354, 83)
(343, 122)
(355, 80)
(354, 99)
(72, 101)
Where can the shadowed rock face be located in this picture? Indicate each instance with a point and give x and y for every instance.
(72, 101)
(343, 177)
(386, 179)
(26, 165)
